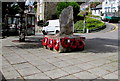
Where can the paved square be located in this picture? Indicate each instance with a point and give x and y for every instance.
(25, 60)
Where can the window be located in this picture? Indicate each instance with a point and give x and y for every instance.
(33, 20)
(46, 24)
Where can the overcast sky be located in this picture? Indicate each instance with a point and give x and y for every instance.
(29, 2)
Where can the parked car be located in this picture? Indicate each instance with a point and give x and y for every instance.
(51, 27)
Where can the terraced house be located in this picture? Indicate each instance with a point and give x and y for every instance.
(110, 6)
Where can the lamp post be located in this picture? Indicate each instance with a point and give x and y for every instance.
(84, 28)
(84, 24)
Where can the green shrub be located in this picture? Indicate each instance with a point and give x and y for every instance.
(79, 25)
(91, 24)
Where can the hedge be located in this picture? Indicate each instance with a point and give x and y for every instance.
(91, 24)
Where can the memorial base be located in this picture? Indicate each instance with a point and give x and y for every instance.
(64, 43)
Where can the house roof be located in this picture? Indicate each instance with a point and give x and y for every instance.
(112, 0)
(96, 0)
(99, 6)
(85, 4)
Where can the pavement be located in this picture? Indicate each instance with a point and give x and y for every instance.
(29, 60)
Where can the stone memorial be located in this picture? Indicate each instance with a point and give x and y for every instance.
(64, 41)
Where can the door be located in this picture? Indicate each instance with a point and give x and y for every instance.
(30, 25)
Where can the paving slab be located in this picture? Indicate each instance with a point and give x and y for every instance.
(61, 64)
(67, 80)
(72, 69)
(64, 57)
(116, 72)
(38, 62)
(85, 75)
(99, 80)
(37, 76)
(57, 73)
(85, 66)
(75, 61)
(31, 58)
(51, 60)
(99, 62)
(111, 76)
(16, 61)
(99, 72)
(8, 68)
(20, 79)
(113, 64)
(5, 63)
(28, 71)
(13, 74)
(22, 66)
(108, 68)
(46, 67)
(68, 77)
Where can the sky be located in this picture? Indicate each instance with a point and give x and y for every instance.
(29, 2)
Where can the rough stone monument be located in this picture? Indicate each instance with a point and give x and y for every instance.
(66, 21)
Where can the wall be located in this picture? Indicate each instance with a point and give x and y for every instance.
(96, 12)
(50, 9)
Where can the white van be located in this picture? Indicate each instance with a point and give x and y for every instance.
(51, 27)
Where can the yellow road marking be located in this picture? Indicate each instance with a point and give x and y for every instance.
(116, 27)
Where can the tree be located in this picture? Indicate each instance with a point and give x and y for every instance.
(94, 4)
(62, 5)
(12, 8)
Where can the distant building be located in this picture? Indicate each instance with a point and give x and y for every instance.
(83, 6)
(40, 10)
(107, 6)
(110, 6)
(97, 10)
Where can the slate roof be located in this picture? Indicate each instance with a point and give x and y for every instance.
(84, 4)
(99, 6)
(96, 0)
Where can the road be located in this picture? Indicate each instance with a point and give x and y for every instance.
(105, 41)
(29, 60)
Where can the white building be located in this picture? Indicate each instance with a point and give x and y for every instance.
(40, 10)
(110, 6)
(97, 10)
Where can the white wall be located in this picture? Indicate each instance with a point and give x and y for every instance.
(96, 12)
(40, 10)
